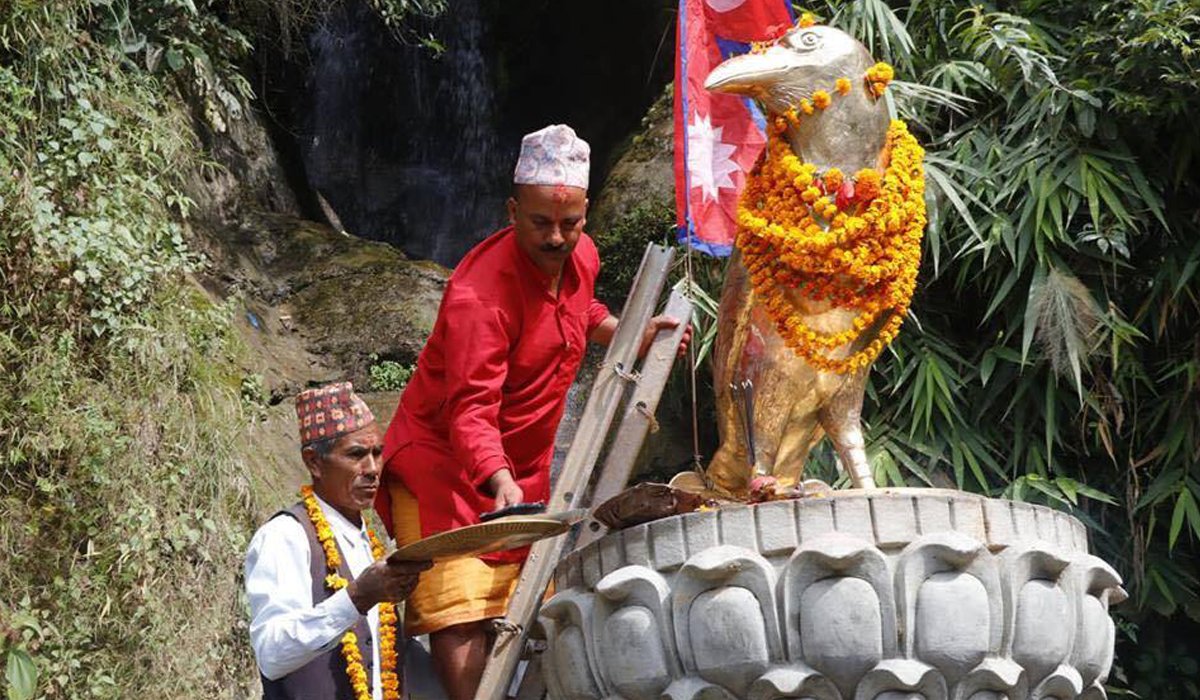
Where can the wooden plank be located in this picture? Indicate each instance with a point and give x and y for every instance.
(607, 392)
(639, 415)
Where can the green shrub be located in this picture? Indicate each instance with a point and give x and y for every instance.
(621, 247)
(388, 375)
(91, 152)
(125, 503)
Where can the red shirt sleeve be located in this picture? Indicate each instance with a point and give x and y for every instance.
(476, 351)
(597, 312)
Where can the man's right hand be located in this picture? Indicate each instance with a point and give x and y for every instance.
(505, 489)
(385, 582)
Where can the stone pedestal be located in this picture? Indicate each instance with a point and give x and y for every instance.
(884, 595)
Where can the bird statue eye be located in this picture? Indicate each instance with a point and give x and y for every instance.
(804, 41)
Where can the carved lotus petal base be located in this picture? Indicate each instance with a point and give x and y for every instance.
(897, 594)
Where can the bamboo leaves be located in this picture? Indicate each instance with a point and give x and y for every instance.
(1185, 509)
(1057, 358)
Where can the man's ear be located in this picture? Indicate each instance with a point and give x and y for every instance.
(311, 461)
(512, 210)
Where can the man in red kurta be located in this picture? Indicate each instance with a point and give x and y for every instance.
(474, 430)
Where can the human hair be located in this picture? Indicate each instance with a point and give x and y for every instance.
(324, 446)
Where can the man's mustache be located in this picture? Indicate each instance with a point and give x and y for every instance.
(551, 248)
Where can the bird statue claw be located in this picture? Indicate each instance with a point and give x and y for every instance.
(769, 488)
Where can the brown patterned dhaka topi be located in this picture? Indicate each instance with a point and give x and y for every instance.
(330, 411)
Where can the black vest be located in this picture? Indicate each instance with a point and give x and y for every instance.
(323, 678)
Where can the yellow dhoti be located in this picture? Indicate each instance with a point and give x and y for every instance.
(453, 592)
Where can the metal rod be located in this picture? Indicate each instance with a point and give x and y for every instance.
(748, 406)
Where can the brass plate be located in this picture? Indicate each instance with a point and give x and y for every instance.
(505, 533)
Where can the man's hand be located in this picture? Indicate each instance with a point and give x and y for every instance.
(385, 582)
(657, 324)
(505, 489)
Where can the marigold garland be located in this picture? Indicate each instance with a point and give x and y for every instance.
(878, 76)
(388, 619)
(852, 242)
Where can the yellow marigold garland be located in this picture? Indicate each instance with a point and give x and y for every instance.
(388, 619)
(878, 76)
(855, 243)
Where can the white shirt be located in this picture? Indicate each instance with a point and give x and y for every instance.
(286, 629)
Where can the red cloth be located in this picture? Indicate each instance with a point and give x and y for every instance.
(718, 136)
(491, 384)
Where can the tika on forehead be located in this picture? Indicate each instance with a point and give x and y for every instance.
(553, 156)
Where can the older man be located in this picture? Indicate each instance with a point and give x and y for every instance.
(322, 622)
(475, 428)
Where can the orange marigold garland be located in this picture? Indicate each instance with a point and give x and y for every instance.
(878, 77)
(388, 619)
(852, 242)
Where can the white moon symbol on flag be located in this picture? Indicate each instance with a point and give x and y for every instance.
(724, 5)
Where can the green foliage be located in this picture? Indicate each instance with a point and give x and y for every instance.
(91, 147)
(286, 25)
(1051, 352)
(125, 498)
(127, 504)
(1159, 663)
(125, 501)
(186, 39)
(400, 16)
(21, 674)
(622, 245)
(388, 375)
(253, 393)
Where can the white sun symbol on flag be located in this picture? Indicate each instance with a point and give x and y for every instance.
(709, 158)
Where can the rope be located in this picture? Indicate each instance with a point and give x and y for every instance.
(621, 372)
(645, 411)
(691, 280)
(505, 630)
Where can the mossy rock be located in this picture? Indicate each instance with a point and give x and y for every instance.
(319, 304)
(386, 312)
(636, 206)
(643, 173)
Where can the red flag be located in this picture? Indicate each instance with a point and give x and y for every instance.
(718, 137)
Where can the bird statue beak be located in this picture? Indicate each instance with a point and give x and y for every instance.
(752, 74)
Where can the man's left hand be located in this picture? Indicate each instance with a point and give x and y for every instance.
(659, 323)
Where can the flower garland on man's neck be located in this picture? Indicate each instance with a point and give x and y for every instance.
(854, 242)
(388, 619)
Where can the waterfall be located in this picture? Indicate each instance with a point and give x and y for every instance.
(403, 144)
(417, 149)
